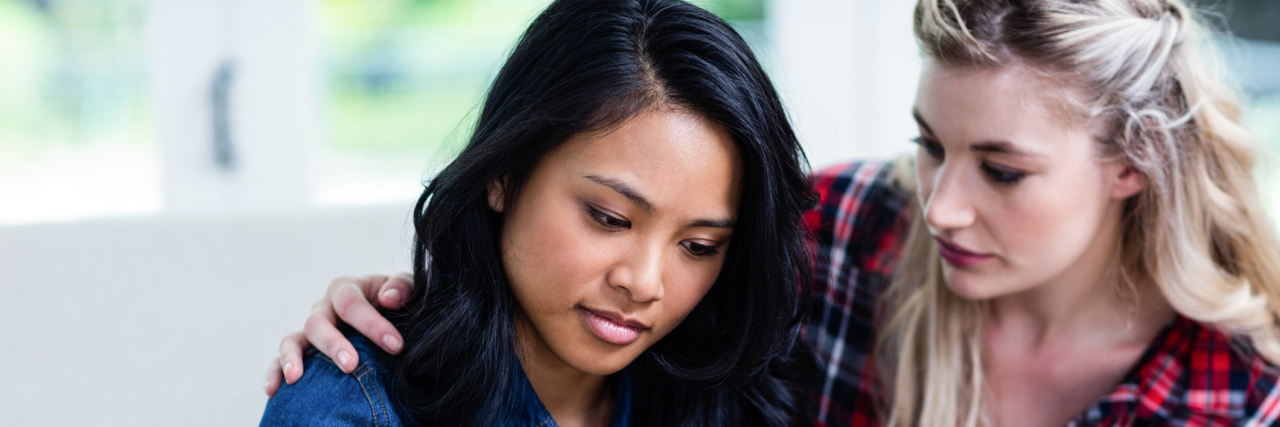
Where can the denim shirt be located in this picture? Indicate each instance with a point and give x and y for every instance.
(325, 396)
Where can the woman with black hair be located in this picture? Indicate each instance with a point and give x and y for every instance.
(621, 231)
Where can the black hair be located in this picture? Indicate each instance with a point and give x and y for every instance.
(585, 66)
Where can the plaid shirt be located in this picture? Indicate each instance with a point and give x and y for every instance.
(1190, 375)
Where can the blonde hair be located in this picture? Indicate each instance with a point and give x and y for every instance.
(1197, 232)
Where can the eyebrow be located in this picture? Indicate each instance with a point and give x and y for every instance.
(635, 197)
(623, 189)
(1000, 147)
(920, 121)
(714, 223)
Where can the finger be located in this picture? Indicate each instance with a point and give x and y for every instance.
(322, 334)
(368, 285)
(353, 308)
(395, 291)
(273, 379)
(289, 364)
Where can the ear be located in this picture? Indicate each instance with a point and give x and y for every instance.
(1128, 181)
(497, 191)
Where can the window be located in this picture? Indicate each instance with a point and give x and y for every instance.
(75, 135)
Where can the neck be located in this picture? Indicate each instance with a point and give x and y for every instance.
(1089, 304)
(572, 397)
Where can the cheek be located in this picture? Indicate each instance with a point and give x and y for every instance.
(1048, 227)
(549, 255)
(1027, 226)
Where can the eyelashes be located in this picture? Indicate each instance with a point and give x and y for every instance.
(699, 250)
(614, 224)
(931, 147)
(1000, 174)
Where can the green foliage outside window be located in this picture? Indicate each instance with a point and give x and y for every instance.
(405, 76)
(74, 75)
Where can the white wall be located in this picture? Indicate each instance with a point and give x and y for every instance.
(168, 322)
(847, 70)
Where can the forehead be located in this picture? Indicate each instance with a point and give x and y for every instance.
(674, 157)
(1015, 103)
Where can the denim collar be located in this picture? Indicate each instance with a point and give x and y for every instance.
(531, 413)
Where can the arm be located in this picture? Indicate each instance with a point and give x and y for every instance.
(350, 299)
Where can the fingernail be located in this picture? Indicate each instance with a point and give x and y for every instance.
(343, 359)
(392, 294)
(267, 385)
(287, 367)
(391, 342)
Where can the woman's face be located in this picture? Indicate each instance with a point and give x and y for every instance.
(616, 236)
(1013, 191)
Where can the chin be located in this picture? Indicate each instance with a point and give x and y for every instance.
(596, 359)
(968, 285)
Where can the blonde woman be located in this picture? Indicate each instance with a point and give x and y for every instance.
(1088, 247)
(1078, 240)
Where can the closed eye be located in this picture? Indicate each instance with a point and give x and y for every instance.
(933, 148)
(699, 250)
(607, 220)
(1003, 175)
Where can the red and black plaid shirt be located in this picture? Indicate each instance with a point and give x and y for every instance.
(1190, 375)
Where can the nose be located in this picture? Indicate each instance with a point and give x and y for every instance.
(640, 275)
(947, 207)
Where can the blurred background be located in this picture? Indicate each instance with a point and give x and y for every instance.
(179, 180)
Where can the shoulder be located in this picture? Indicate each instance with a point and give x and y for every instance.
(863, 213)
(1199, 375)
(849, 181)
(325, 396)
(858, 229)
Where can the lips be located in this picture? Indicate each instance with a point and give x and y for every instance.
(612, 327)
(958, 255)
